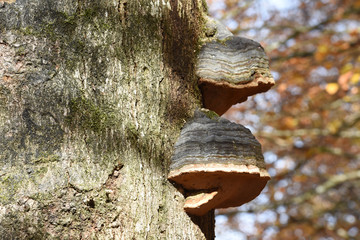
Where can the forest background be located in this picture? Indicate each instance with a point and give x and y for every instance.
(308, 124)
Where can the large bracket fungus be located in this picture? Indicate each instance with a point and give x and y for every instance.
(218, 163)
(231, 69)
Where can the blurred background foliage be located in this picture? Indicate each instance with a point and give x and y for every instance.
(308, 124)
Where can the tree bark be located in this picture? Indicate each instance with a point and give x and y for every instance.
(93, 94)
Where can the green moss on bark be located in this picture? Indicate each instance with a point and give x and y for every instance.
(85, 114)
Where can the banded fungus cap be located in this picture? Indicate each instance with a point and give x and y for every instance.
(219, 163)
(230, 71)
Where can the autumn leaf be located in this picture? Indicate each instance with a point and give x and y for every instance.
(346, 68)
(290, 122)
(334, 126)
(332, 88)
(355, 78)
(321, 53)
(344, 79)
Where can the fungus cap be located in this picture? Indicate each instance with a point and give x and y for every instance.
(219, 163)
(230, 71)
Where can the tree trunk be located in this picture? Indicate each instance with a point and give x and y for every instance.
(93, 94)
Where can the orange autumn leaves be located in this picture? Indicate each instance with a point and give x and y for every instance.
(347, 81)
(311, 118)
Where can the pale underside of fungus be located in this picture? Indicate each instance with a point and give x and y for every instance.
(218, 163)
(230, 69)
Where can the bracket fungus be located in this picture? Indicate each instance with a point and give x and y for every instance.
(218, 163)
(230, 69)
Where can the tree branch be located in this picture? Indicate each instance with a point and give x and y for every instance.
(350, 133)
(330, 183)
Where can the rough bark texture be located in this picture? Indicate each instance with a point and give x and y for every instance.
(93, 95)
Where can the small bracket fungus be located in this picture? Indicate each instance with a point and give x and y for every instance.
(218, 163)
(231, 69)
(216, 29)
